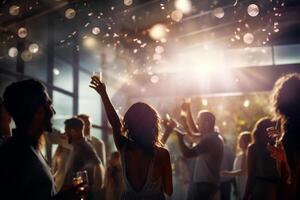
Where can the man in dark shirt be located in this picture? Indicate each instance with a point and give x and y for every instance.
(24, 173)
(83, 157)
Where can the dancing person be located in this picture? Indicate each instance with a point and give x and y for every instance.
(285, 99)
(60, 159)
(146, 165)
(24, 171)
(263, 179)
(5, 119)
(114, 184)
(240, 164)
(208, 153)
(83, 158)
(227, 164)
(98, 144)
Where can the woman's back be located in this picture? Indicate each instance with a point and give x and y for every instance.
(143, 173)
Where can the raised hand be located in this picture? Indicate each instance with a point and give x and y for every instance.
(169, 124)
(186, 105)
(97, 85)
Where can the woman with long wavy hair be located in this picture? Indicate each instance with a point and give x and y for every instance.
(146, 164)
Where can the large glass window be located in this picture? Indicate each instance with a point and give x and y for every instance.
(256, 56)
(63, 105)
(37, 66)
(89, 100)
(63, 75)
(287, 54)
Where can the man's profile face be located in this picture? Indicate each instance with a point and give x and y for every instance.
(49, 112)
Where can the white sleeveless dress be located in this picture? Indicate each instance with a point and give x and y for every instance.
(152, 190)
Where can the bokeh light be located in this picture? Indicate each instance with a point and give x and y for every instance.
(14, 10)
(176, 15)
(253, 10)
(184, 6)
(158, 31)
(22, 32)
(12, 52)
(70, 13)
(33, 48)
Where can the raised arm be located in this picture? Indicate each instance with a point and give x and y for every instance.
(111, 113)
(237, 172)
(189, 120)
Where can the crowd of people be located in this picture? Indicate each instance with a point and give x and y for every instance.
(266, 164)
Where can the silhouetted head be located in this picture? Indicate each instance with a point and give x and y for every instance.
(260, 133)
(29, 105)
(206, 122)
(74, 129)
(244, 140)
(87, 124)
(141, 123)
(286, 96)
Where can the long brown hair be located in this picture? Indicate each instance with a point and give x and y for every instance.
(141, 125)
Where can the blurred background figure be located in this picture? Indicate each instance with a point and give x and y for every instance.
(83, 157)
(114, 184)
(240, 165)
(263, 178)
(98, 144)
(286, 104)
(60, 159)
(5, 119)
(226, 182)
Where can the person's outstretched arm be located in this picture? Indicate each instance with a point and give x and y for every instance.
(111, 113)
(189, 120)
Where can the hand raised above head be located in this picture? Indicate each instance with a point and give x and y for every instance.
(186, 104)
(97, 85)
(169, 124)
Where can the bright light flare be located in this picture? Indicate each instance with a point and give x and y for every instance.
(158, 31)
(184, 6)
(90, 42)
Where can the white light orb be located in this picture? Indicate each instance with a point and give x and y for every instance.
(248, 38)
(12, 52)
(154, 79)
(70, 13)
(33, 48)
(158, 31)
(218, 12)
(183, 5)
(96, 30)
(246, 103)
(22, 32)
(26, 55)
(14, 10)
(56, 71)
(253, 10)
(176, 15)
(128, 2)
(204, 102)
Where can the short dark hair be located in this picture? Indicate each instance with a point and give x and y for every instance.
(22, 99)
(209, 118)
(74, 123)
